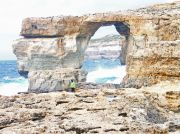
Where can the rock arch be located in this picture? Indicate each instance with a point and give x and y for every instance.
(52, 49)
(121, 27)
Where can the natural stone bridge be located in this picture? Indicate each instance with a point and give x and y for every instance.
(52, 50)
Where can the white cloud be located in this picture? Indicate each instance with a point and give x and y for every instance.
(13, 11)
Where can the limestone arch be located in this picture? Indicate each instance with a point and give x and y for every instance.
(88, 30)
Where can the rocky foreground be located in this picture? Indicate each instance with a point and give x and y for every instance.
(150, 110)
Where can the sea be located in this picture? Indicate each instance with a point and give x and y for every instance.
(99, 71)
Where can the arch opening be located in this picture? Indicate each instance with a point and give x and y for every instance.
(104, 58)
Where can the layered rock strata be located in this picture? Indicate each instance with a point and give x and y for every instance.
(107, 47)
(42, 80)
(151, 47)
(153, 63)
(111, 111)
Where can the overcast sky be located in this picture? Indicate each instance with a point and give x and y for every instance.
(13, 11)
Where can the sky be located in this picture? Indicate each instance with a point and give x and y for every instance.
(12, 12)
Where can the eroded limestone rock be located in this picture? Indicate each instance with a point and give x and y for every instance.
(151, 50)
(111, 111)
(54, 80)
(151, 63)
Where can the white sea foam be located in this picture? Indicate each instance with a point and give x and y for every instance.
(17, 80)
(12, 88)
(117, 72)
(20, 84)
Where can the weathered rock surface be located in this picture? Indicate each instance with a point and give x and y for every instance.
(47, 53)
(153, 63)
(150, 50)
(148, 21)
(111, 111)
(42, 80)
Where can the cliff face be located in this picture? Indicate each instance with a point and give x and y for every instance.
(107, 47)
(150, 50)
(153, 63)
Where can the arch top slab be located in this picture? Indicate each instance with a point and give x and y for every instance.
(73, 25)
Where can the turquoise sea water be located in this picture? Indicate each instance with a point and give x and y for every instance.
(10, 80)
(8, 72)
(99, 71)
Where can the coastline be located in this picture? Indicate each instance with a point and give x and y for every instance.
(51, 54)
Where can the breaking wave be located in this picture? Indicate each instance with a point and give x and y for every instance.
(99, 71)
(12, 86)
(111, 75)
(104, 71)
(10, 81)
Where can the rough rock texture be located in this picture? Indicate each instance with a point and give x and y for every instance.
(150, 50)
(42, 80)
(107, 47)
(153, 63)
(46, 53)
(111, 111)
